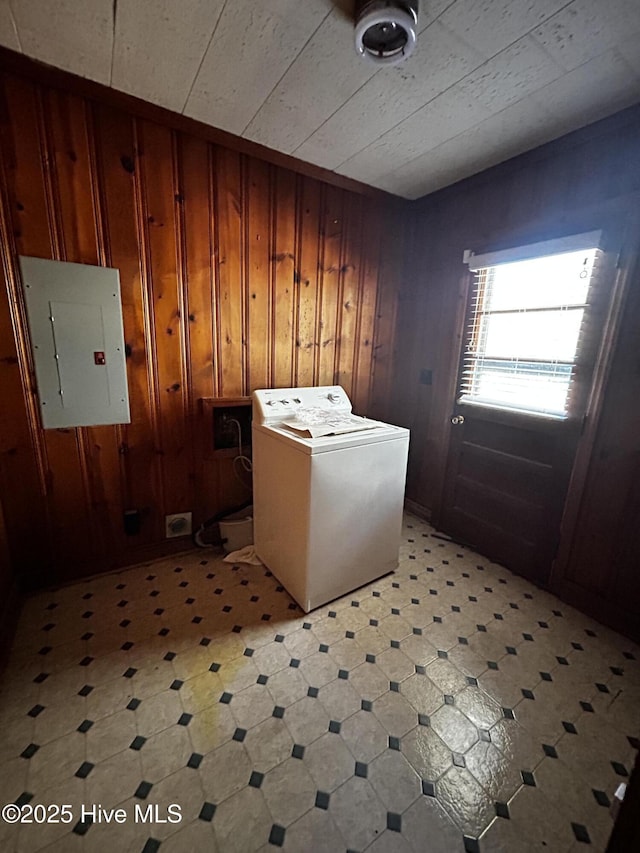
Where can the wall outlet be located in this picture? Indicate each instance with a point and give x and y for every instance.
(178, 524)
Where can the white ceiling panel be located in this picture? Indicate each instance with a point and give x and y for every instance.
(587, 28)
(323, 77)
(475, 149)
(443, 118)
(253, 46)
(571, 98)
(75, 36)
(519, 70)
(159, 45)
(429, 11)
(8, 28)
(488, 79)
(563, 104)
(390, 96)
(630, 50)
(492, 25)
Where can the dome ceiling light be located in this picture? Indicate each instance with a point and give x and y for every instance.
(386, 30)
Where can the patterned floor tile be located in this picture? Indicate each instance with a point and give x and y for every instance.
(449, 700)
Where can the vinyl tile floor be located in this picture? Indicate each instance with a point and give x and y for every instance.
(189, 705)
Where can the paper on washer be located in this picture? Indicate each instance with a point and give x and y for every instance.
(317, 422)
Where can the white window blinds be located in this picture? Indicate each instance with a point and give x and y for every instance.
(528, 324)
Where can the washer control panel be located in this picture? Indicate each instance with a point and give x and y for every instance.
(276, 404)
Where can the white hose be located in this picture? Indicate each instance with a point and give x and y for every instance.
(245, 462)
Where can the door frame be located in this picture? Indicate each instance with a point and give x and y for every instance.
(620, 226)
(628, 269)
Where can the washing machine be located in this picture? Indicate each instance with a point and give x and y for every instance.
(328, 492)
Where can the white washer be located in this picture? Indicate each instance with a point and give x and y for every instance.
(327, 510)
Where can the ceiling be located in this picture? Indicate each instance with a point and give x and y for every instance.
(488, 79)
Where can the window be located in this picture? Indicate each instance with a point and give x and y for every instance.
(525, 332)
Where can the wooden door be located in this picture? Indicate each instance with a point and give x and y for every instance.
(508, 470)
(506, 483)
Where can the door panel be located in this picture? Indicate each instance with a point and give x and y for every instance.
(506, 482)
(520, 478)
(520, 517)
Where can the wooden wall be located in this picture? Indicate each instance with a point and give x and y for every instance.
(236, 274)
(10, 598)
(588, 179)
(598, 567)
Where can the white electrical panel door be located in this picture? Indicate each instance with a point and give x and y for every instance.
(75, 321)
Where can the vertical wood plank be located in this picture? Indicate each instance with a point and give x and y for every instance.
(308, 265)
(156, 145)
(284, 281)
(118, 176)
(71, 175)
(332, 230)
(230, 254)
(187, 399)
(349, 305)
(390, 274)
(103, 445)
(198, 226)
(258, 240)
(368, 290)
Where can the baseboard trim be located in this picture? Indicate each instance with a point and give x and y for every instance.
(608, 613)
(417, 509)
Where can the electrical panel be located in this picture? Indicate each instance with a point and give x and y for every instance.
(75, 322)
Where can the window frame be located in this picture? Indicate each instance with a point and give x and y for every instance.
(588, 337)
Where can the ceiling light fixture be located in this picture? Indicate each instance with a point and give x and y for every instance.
(386, 30)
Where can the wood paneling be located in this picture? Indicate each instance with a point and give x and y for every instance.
(22, 455)
(598, 565)
(306, 280)
(284, 266)
(9, 595)
(6, 567)
(22, 66)
(235, 273)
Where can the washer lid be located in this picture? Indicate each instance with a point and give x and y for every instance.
(326, 443)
